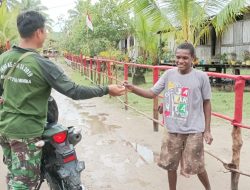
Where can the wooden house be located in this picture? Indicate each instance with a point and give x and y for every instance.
(234, 40)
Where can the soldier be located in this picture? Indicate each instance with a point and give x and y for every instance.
(26, 82)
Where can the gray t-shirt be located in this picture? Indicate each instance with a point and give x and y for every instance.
(183, 100)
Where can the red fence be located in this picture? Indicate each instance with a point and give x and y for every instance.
(91, 65)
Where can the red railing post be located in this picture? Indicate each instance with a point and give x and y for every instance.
(98, 71)
(109, 73)
(81, 60)
(72, 61)
(116, 73)
(155, 105)
(75, 62)
(126, 78)
(236, 133)
(125, 71)
(85, 66)
(91, 69)
(238, 104)
(79, 63)
(104, 72)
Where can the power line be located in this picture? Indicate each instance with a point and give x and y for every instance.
(65, 5)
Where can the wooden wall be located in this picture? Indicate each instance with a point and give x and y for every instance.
(203, 53)
(236, 39)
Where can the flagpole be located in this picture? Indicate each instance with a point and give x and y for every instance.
(88, 38)
(87, 33)
(89, 26)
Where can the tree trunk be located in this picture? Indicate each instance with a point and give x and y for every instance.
(156, 114)
(237, 144)
(138, 78)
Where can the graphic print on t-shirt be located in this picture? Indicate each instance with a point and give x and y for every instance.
(176, 101)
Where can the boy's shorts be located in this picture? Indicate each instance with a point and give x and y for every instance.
(189, 146)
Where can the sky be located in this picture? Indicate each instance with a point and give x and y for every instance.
(58, 8)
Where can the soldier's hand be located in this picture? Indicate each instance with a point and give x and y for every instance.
(116, 90)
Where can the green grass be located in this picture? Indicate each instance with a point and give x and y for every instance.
(80, 79)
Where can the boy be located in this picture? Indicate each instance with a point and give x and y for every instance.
(187, 116)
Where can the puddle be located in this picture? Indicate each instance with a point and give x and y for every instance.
(96, 123)
(105, 142)
(103, 114)
(71, 114)
(145, 153)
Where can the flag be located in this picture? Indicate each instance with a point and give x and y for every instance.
(89, 22)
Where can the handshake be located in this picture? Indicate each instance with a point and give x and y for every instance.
(118, 90)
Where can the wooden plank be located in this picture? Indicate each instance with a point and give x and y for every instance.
(238, 35)
(228, 36)
(246, 33)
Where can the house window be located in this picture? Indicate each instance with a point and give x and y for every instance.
(131, 41)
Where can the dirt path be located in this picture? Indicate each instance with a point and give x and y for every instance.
(119, 148)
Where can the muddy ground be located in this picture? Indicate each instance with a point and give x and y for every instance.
(119, 148)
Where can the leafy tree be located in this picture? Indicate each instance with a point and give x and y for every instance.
(110, 25)
(35, 5)
(9, 10)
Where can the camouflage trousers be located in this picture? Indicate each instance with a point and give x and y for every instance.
(23, 160)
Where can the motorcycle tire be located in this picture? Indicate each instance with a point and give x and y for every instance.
(53, 183)
(68, 187)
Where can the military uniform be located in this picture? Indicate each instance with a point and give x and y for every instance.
(23, 114)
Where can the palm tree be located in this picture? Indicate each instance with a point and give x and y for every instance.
(7, 24)
(35, 5)
(189, 17)
(146, 36)
(11, 4)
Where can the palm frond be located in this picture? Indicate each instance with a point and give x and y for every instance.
(228, 14)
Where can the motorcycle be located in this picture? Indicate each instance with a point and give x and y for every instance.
(59, 165)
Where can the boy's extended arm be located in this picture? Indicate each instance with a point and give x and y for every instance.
(140, 91)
